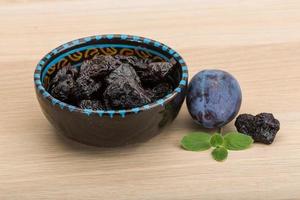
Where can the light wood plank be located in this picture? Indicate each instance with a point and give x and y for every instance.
(257, 41)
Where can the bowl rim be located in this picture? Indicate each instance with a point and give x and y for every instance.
(81, 41)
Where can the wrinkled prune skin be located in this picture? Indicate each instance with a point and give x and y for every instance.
(112, 82)
(152, 71)
(91, 104)
(159, 91)
(124, 89)
(132, 60)
(262, 127)
(64, 73)
(124, 71)
(86, 87)
(245, 123)
(122, 95)
(99, 66)
(62, 85)
(87, 83)
(147, 69)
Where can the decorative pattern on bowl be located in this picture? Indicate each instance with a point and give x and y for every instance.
(76, 51)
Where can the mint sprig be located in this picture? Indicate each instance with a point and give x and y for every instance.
(200, 141)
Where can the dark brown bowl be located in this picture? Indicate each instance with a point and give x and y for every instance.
(109, 128)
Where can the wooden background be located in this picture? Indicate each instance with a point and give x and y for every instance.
(258, 41)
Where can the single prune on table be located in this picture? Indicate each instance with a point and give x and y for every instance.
(245, 123)
(124, 90)
(86, 87)
(62, 85)
(214, 98)
(91, 104)
(99, 66)
(262, 127)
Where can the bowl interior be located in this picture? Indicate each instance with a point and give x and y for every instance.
(75, 52)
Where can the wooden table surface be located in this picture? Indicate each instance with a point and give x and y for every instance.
(257, 41)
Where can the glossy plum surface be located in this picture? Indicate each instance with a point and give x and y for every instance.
(214, 98)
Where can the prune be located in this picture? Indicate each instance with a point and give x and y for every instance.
(64, 73)
(147, 69)
(159, 91)
(99, 66)
(245, 123)
(132, 60)
(62, 85)
(124, 71)
(112, 82)
(86, 87)
(262, 127)
(124, 91)
(91, 104)
(123, 95)
(153, 71)
(214, 98)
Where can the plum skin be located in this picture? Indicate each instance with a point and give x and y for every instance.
(214, 98)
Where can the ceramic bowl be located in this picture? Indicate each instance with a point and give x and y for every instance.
(110, 128)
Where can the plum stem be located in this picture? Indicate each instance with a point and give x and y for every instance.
(220, 130)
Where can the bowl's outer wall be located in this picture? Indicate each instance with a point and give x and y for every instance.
(109, 132)
(93, 128)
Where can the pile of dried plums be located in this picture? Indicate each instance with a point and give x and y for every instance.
(112, 82)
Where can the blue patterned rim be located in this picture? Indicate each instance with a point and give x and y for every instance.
(44, 64)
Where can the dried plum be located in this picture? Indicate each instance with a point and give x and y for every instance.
(162, 90)
(62, 85)
(91, 104)
(153, 72)
(262, 127)
(112, 82)
(159, 91)
(124, 90)
(86, 87)
(132, 60)
(122, 94)
(147, 69)
(245, 123)
(99, 66)
(124, 71)
(64, 73)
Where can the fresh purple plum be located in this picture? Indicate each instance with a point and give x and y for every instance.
(214, 98)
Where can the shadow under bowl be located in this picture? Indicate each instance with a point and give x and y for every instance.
(110, 128)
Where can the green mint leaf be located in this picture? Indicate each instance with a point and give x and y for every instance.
(216, 140)
(197, 141)
(237, 141)
(219, 153)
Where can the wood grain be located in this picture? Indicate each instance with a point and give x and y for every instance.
(257, 41)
